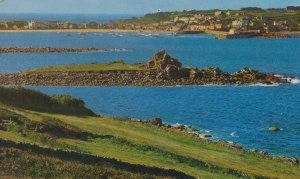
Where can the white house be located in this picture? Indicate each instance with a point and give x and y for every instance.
(30, 24)
(240, 23)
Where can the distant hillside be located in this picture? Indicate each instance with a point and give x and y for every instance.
(291, 13)
(254, 18)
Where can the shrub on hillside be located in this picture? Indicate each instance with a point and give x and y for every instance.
(37, 101)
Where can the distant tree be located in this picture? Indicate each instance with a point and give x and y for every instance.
(251, 9)
(293, 8)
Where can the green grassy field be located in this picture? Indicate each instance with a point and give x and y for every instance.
(23, 163)
(131, 142)
(111, 66)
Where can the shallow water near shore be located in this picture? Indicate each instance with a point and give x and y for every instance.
(240, 114)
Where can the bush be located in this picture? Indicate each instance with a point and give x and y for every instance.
(67, 100)
(37, 101)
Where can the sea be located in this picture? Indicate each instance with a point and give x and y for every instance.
(238, 114)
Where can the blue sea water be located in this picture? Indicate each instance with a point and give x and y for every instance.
(240, 114)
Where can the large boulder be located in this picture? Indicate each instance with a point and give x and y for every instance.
(274, 129)
(162, 60)
(167, 66)
(155, 121)
(172, 71)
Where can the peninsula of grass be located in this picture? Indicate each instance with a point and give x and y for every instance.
(118, 65)
(42, 143)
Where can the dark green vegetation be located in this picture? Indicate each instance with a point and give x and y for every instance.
(36, 101)
(64, 145)
(20, 159)
(166, 16)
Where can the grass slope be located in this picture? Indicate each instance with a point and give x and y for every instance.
(111, 66)
(19, 159)
(132, 142)
(34, 100)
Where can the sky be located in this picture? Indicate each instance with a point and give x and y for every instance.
(130, 6)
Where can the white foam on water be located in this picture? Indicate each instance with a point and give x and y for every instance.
(233, 134)
(295, 81)
(265, 85)
(289, 79)
(258, 84)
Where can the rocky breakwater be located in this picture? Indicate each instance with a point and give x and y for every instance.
(161, 70)
(52, 50)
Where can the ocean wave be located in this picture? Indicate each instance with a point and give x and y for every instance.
(154, 34)
(117, 50)
(264, 85)
(289, 79)
(295, 81)
(233, 134)
(117, 35)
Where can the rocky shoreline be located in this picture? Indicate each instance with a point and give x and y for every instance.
(53, 50)
(205, 137)
(161, 70)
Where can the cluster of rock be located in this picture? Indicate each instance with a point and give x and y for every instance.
(170, 68)
(49, 50)
(162, 70)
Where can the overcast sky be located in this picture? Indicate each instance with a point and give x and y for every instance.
(130, 6)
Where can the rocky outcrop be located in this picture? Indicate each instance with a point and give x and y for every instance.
(274, 129)
(170, 68)
(162, 70)
(248, 75)
(154, 121)
(162, 60)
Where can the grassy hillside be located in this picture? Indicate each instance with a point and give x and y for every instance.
(115, 65)
(134, 144)
(34, 100)
(22, 160)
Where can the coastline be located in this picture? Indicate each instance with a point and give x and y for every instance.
(93, 138)
(207, 137)
(221, 35)
(84, 31)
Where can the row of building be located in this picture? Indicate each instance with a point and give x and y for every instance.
(224, 21)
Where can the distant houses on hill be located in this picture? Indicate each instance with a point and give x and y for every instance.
(233, 21)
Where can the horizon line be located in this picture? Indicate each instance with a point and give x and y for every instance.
(95, 13)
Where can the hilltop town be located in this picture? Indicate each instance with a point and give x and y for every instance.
(246, 22)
